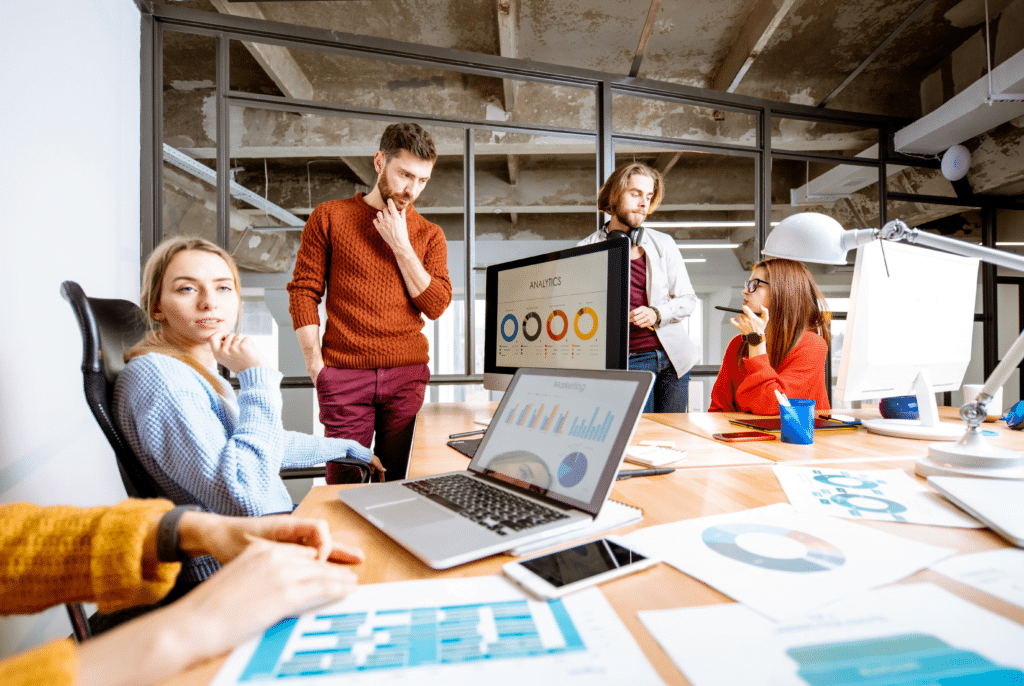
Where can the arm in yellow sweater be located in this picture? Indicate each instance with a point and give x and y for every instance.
(108, 554)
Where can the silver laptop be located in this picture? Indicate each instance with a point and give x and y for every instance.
(545, 466)
(996, 503)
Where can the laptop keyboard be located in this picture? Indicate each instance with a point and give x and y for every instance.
(490, 507)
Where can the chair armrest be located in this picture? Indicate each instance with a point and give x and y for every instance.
(302, 473)
(342, 470)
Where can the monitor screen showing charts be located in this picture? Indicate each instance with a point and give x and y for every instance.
(566, 309)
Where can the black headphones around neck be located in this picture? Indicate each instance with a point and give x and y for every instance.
(635, 235)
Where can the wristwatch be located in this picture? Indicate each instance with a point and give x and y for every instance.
(753, 338)
(168, 540)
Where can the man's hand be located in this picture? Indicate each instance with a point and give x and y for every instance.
(643, 316)
(309, 342)
(313, 368)
(390, 224)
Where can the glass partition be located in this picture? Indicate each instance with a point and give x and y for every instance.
(189, 148)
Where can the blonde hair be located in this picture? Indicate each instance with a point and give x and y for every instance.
(152, 285)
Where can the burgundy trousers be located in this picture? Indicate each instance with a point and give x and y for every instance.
(359, 404)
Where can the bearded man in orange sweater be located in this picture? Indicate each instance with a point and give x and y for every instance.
(383, 266)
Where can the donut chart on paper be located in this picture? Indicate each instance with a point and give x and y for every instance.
(844, 481)
(576, 323)
(515, 328)
(558, 314)
(572, 469)
(526, 334)
(890, 506)
(818, 555)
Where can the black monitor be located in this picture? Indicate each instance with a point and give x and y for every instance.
(567, 309)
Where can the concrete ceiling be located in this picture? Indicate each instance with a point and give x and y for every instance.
(797, 51)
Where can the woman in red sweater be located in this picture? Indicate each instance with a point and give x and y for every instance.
(783, 341)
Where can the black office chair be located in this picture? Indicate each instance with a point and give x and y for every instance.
(110, 327)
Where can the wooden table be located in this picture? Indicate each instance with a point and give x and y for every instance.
(834, 445)
(685, 494)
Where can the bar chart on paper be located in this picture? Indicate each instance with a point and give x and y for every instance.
(421, 632)
(338, 644)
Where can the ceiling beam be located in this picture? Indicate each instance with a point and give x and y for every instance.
(278, 62)
(363, 168)
(763, 20)
(508, 44)
(513, 169)
(877, 51)
(666, 160)
(645, 36)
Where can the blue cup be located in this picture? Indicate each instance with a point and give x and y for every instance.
(798, 421)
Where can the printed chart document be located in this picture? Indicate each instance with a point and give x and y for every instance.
(479, 630)
(996, 572)
(784, 563)
(907, 635)
(887, 495)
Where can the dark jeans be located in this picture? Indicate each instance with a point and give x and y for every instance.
(670, 394)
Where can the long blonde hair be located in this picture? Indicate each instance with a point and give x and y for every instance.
(152, 285)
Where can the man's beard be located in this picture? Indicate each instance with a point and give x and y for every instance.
(630, 219)
(387, 193)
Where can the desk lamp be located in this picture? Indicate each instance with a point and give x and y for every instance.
(813, 237)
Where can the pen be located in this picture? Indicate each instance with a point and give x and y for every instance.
(723, 308)
(630, 473)
(468, 433)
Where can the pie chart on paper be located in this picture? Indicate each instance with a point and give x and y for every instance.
(572, 469)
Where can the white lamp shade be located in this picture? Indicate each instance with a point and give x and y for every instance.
(808, 237)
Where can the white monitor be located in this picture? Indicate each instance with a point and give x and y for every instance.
(567, 309)
(908, 332)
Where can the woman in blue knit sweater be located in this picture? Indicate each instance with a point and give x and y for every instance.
(200, 443)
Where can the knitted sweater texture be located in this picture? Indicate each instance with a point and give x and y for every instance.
(204, 453)
(372, 322)
(750, 385)
(52, 555)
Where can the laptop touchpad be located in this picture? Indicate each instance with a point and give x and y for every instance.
(410, 513)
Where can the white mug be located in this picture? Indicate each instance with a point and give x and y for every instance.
(995, 405)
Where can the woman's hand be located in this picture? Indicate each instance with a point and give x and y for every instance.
(748, 322)
(267, 582)
(236, 352)
(376, 467)
(205, 533)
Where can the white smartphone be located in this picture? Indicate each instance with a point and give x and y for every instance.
(564, 571)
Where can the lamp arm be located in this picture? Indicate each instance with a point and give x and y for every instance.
(896, 230)
(854, 238)
(994, 382)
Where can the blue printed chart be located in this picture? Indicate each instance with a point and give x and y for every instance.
(455, 631)
(906, 635)
(783, 563)
(888, 495)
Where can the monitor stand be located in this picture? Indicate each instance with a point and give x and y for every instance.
(928, 427)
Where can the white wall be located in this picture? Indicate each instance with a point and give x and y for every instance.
(69, 183)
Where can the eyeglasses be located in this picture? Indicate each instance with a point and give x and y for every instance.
(752, 285)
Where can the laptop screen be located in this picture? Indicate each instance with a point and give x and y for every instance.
(562, 433)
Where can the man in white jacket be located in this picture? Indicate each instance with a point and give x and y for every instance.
(661, 297)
